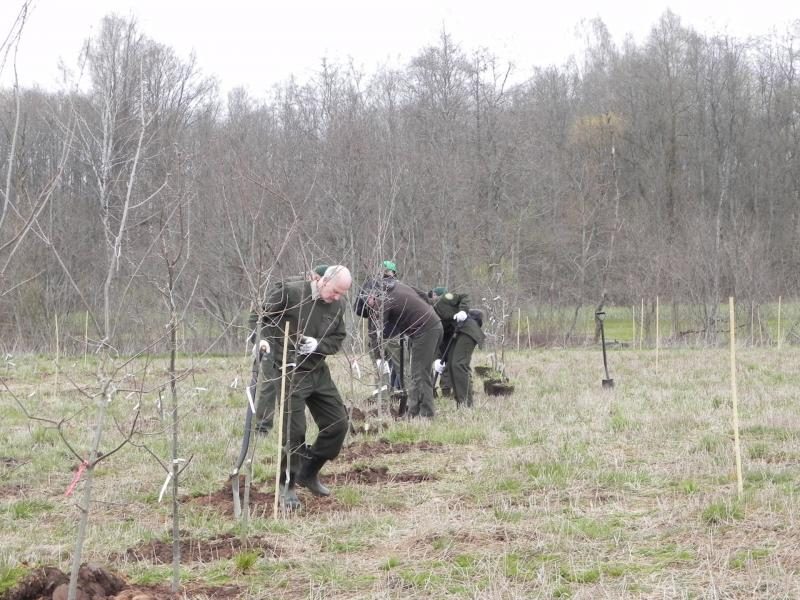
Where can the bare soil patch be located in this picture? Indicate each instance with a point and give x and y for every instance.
(364, 450)
(98, 583)
(12, 490)
(374, 475)
(262, 503)
(197, 550)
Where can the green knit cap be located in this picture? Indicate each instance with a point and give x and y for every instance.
(389, 266)
(440, 291)
(320, 270)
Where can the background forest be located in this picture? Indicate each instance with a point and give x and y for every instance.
(136, 195)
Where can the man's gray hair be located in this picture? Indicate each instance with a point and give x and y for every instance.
(335, 271)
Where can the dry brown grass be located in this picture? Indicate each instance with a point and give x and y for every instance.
(562, 490)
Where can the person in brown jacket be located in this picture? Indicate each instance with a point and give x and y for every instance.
(404, 311)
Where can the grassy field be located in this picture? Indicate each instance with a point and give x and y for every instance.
(563, 490)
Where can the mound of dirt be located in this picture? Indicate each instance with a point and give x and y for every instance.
(97, 583)
(262, 503)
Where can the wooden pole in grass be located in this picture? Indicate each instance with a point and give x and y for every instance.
(279, 415)
(641, 327)
(519, 324)
(657, 334)
(779, 322)
(85, 338)
(736, 446)
(528, 329)
(56, 380)
(633, 322)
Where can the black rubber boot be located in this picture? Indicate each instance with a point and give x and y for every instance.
(309, 476)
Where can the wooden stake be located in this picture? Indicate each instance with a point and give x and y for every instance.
(736, 447)
(657, 334)
(528, 328)
(85, 338)
(779, 322)
(641, 327)
(519, 324)
(56, 379)
(279, 418)
(633, 322)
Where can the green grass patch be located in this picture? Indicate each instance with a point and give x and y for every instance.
(668, 554)
(686, 486)
(722, 512)
(595, 529)
(10, 576)
(349, 496)
(244, 561)
(508, 516)
(757, 451)
(758, 477)
(741, 558)
(26, 509)
(404, 434)
(457, 435)
(391, 563)
(585, 576)
(623, 479)
(555, 474)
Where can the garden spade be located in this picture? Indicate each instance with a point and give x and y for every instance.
(250, 391)
(600, 316)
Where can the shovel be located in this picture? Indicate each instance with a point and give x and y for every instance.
(607, 382)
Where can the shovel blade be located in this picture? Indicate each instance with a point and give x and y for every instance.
(608, 383)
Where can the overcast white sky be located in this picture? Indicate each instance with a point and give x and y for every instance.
(259, 43)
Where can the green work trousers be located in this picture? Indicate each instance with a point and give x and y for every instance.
(313, 389)
(423, 353)
(458, 368)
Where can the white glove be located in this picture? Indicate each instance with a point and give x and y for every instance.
(460, 316)
(383, 366)
(260, 347)
(438, 366)
(307, 345)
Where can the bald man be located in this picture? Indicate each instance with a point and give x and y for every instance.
(313, 312)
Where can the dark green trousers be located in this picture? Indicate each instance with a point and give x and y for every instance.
(313, 389)
(423, 353)
(458, 368)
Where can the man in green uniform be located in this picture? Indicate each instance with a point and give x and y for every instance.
(456, 363)
(452, 310)
(313, 313)
(405, 312)
(386, 352)
(268, 377)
